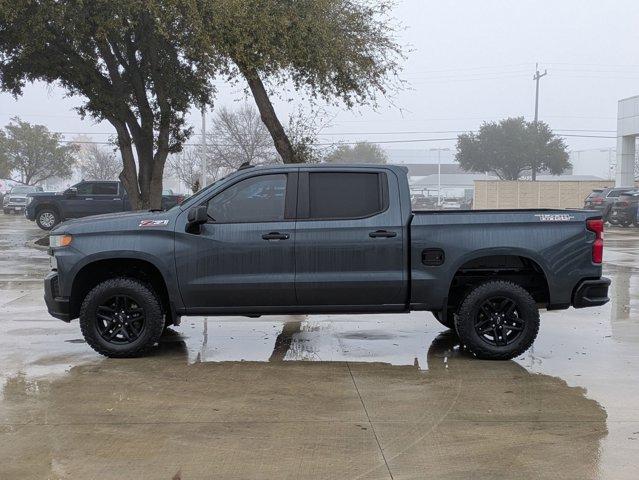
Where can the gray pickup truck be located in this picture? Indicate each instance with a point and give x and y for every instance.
(323, 239)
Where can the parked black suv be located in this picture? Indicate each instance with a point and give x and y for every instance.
(602, 201)
(624, 210)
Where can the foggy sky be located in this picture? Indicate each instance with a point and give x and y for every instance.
(470, 61)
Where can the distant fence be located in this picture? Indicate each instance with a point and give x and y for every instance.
(526, 194)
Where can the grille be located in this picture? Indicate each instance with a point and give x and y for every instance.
(17, 200)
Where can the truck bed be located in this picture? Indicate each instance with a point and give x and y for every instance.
(552, 241)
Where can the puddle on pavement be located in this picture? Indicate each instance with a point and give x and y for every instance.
(422, 417)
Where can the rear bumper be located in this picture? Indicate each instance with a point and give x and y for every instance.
(58, 306)
(591, 293)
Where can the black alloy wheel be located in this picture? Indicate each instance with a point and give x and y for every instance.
(120, 320)
(498, 322)
(122, 317)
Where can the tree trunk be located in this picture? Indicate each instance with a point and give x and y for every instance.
(142, 179)
(129, 175)
(269, 117)
(533, 171)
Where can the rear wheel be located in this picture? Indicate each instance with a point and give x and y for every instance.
(47, 218)
(498, 320)
(121, 317)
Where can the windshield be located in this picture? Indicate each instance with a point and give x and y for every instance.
(25, 189)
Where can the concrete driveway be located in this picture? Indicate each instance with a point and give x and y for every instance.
(318, 397)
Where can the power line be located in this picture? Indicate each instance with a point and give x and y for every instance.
(411, 140)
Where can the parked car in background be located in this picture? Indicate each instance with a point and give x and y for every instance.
(16, 200)
(603, 199)
(624, 210)
(419, 201)
(82, 200)
(451, 205)
(171, 199)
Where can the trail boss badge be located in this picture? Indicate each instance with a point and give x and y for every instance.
(554, 217)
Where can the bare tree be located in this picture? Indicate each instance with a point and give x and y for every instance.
(237, 137)
(99, 163)
(186, 166)
(303, 131)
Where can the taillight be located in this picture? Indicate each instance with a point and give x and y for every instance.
(598, 200)
(596, 226)
(622, 204)
(180, 199)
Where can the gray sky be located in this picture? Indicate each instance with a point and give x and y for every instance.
(470, 61)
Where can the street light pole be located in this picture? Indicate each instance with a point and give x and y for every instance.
(203, 165)
(536, 78)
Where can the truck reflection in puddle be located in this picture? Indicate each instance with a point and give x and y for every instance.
(250, 419)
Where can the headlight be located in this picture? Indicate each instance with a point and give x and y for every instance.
(5, 200)
(60, 240)
(29, 200)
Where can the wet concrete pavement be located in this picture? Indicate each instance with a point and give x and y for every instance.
(318, 397)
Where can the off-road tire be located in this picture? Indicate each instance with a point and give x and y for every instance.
(47, 211)
(144, 296)
(448, 321)
(469, 309)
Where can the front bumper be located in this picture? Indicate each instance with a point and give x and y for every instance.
(591, 293)
(58, 306)
(14, 207)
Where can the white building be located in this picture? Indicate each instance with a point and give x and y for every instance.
(627, 133)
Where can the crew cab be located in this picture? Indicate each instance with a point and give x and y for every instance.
(323, 239)
(84, 199)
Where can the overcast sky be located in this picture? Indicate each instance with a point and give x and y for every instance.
(470, 61)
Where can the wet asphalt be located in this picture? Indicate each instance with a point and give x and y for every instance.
(317, 397)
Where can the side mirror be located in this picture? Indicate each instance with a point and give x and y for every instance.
(197, 216)
(71, 192)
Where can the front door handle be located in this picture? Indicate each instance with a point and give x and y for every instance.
(382, 234)
(275, 236)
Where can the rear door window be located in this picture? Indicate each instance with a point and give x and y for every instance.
(343, 195)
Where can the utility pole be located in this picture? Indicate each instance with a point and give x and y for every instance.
(536, 78)
(203, 165)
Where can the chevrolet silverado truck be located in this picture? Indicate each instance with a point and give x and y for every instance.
(323, 239)
(84, 199)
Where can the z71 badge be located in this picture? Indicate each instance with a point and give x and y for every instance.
(153, 223)
(554, 217)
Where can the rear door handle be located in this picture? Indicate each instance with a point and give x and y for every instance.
(382, 234)
(275, 236)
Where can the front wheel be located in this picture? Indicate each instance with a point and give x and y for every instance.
(121, 317)
(498, 320)
(47, 218)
